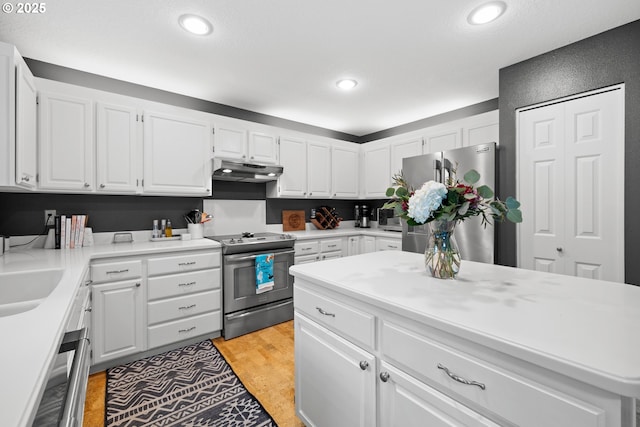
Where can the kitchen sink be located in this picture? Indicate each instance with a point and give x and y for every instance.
(24, 291)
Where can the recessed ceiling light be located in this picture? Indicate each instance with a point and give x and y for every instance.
(486, 13)
(346, 84)
(195, 24)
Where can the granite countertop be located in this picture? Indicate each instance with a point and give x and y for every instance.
(30, 340)
(583, 328)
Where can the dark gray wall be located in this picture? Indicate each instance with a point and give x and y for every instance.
(603, 60)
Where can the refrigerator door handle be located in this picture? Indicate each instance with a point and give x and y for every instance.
(437, 166)
(447, 171)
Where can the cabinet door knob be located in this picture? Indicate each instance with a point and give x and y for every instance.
(559, 249)
(310, 193)
(137, 285)
(86, 185)
(102, 185)
(89, 309)
(384, 376)
(364, 365)
(25, 178)
(251, 157)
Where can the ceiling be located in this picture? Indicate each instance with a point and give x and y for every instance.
(413, 59)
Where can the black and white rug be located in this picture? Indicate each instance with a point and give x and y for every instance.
(190, 386)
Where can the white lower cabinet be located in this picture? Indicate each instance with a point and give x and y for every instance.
(118, 319)
(338, 385)
(141, 303)
(319, 250)
(351, 356)
(411, 403)
(385, 244)
(368, 244)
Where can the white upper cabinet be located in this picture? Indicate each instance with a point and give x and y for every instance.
(377, 169)
(345, 171)
(230, 142)
(481, 129)
(117, 148)
(176, 154)
(263, 148)
(66, 142)
(318, 169)
(293, 159)
(235, 142)
(442, 138)
(404, 148)
(18, 117)
(26, 126)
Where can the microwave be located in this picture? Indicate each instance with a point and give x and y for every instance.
(388, 221)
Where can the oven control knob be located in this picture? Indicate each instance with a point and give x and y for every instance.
(239, 240)
(232, 240)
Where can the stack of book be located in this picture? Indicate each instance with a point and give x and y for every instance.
(69, 231)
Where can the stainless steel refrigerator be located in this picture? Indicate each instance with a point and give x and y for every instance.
(476, 243)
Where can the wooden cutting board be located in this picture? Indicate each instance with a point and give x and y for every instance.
(293, 221)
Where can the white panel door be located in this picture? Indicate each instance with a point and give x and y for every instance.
(293, 159)
(26, 126)
(571, 186)
(324, 361)
(318, 170)
(117, 160)
(176, 155)
(542, 179)
(263, 148)
(402, 149)
(594, 142)
(344, 165)
(66, 142)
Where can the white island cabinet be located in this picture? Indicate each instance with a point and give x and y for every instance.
(380, 342)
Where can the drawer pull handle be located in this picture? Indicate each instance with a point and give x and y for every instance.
(364, 365)
(306, 249)
(384, 376)
(187, 284)
(332, 246)
(117, 271)
(187, 263)
(186, 330)
(186, 307)
(88, 282)
(393, 247)
(325, 313)
(460, 379)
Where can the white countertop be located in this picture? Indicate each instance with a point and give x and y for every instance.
(30, 340)
(583, 328)
(310, 234)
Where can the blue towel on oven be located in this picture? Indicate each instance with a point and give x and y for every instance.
(264, 273)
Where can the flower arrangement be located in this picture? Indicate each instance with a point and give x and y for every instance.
(442, 206)
(454, 201)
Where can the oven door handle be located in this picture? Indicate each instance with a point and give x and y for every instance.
(228, 259)
(78, 340)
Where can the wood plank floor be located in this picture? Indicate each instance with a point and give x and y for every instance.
(263, 360)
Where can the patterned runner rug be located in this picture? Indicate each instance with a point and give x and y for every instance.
(190, 386)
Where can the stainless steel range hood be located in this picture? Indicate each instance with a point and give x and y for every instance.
(229, 170)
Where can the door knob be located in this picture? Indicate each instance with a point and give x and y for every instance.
(364, 365)
(559, 249)
(384, 376)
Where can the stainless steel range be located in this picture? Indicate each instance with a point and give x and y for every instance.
(244, 310)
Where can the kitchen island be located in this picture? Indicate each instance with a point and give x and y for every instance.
(382, 343)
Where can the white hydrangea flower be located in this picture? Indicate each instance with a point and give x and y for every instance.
(425, 200)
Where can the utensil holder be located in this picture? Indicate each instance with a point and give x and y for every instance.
(196, 231)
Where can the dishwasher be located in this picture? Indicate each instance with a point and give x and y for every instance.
(62, 403)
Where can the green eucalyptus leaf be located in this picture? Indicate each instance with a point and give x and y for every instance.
(402, 192)
(469, 196)
(451, 217)
(485, 192)
(463, 209)
(390, 192)
(472, 176)
(512, 203)
(514, 215)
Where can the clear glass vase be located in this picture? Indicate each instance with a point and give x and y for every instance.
(442, 256)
